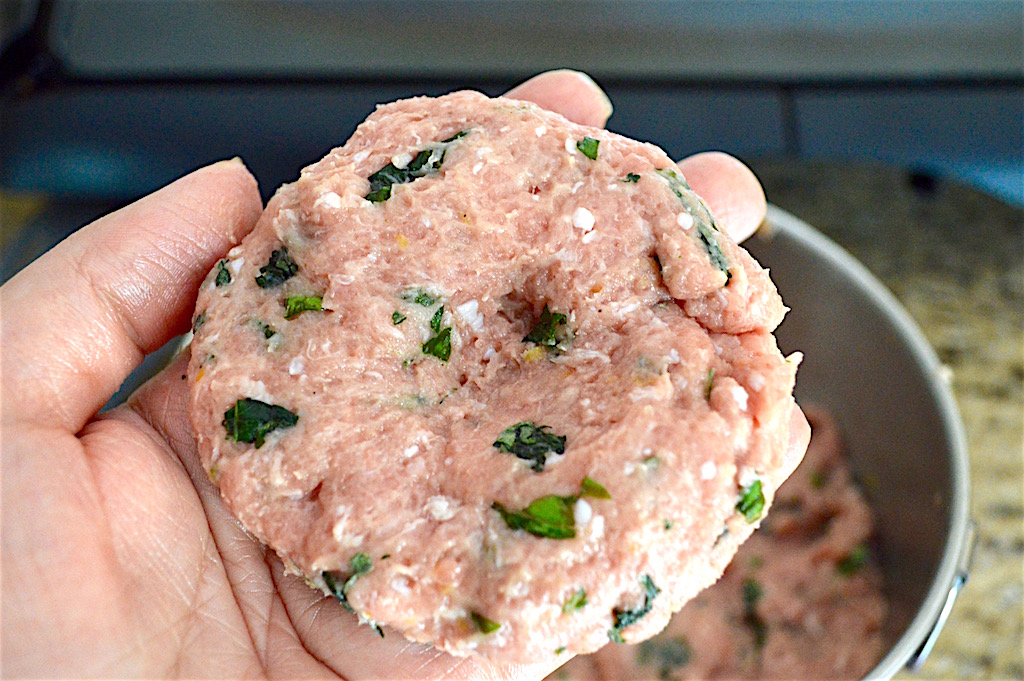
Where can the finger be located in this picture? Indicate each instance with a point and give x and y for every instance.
(799, 437)
(79, 319)
(573, 94)
(731, 190)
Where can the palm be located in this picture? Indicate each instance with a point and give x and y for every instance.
(164, 562)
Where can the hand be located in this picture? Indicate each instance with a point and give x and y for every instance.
(119, 557)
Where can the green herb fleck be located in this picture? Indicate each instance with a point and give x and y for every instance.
(530, 442)
(223, 277)
(397, 317)
(435, 321)
(588, 147)
(751, 503)
(550, 516)
(250, 420)
(559, 650)
(668, 524)
(818, 479)
(751, 595)
(576, 601)
(296, 305)
(852, 564)
(420, 297)
(631, 178)
(358, 565)
(592, 488)
(425, 162)
(665, 653)
(624, 618)
(709, 383)
(198, 322)
(279, 269)
(756, 562)
(440, 346)
(267, 329)
(549, 331)
(483, 624)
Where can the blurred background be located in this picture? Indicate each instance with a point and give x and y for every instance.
(896, 127)
(108, 99)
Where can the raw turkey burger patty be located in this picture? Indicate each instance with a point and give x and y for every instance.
(494, 380)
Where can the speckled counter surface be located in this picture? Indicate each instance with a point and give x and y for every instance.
(955, 258)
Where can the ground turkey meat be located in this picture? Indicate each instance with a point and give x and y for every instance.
(802, 599)
(494, 380)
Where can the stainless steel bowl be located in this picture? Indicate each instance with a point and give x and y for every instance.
(866, 362)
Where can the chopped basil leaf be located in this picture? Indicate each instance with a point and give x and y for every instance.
(358, 565)
(280, 268)
(588, 147)
(710, 241)
(852, 564)
(751, 503)
(440, 346)
(223, 277)
(530, 442)
(483, 624)
(702, 216)
(576, 601)
(550, 516)
(675, 181)
(199, 321)
(547, 331)
(397, 317)
(296, 305)
(751, 595)
(666, 653)
(250, 420)
(425, 162)
(592, 488)
(624, 618)
(631, 177)
(435, 321)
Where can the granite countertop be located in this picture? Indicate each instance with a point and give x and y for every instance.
(954, 257)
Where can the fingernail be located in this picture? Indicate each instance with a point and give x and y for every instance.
(606, 103)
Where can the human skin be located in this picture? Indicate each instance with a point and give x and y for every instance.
(120, 558)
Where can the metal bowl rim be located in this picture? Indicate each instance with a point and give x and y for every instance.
(957, 544)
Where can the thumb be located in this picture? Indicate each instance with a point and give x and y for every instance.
(79, 319)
